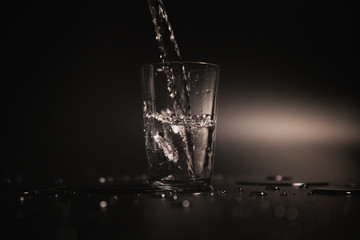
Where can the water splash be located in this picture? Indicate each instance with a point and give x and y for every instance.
(179, 86)
(169, 51)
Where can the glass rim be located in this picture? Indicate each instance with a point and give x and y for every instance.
(183, 62)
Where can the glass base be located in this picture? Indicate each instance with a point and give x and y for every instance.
(180, 186)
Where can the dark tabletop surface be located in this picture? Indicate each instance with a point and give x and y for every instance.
(124, 207)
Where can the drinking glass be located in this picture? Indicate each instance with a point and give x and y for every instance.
(180, 108)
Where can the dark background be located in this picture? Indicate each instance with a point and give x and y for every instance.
(72, 96)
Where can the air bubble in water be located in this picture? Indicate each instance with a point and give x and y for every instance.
(168, 149)
(175, 128)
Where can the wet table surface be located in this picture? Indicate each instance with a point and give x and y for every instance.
(125, 208)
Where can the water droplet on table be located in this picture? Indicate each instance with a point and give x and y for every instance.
(258, 194)
(272, 188)
(292, 213)
(337, 191)
(186, 203)
(222, 192)
(279, 211)
(238, 189)
(283, 194)
(103, 204)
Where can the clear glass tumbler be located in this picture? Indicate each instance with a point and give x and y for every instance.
(180, 108)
